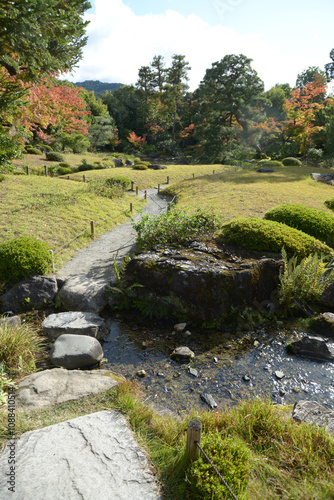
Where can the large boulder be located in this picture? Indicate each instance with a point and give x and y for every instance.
(313, 347)
(93, 456)
(312, 412)
(83, 294)
(36, 291)
(76, 351)
(74, 323)
(325, 178)
(203, 282)
(50, 387)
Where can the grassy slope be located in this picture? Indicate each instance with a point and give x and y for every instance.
(241, 193)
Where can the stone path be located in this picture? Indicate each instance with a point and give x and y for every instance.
(96, 261)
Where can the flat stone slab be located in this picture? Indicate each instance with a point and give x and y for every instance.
(80, 293)
(58, 385)
(94, 456)
(74, 323)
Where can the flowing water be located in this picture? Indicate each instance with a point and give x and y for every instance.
(231, 366)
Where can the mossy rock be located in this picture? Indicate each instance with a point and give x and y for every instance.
(311, 221)
(271, 236)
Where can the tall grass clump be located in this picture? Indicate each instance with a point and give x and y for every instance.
(175, 227)
(20, 347)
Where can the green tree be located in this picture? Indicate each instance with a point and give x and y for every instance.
(308, 76)
(329, 67)
(41, 36)
(229, 100)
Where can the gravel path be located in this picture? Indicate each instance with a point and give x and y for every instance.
(96, 261)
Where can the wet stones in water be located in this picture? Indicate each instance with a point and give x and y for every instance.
(208, 399)
(246, 378)
(141, 373)
(279, 374)
(182, 353)
(193, 372)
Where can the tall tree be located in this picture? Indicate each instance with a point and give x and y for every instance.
(159, 73)
(41, 36)
(228, 100)
(329, 67)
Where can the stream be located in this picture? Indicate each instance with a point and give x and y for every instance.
(231, 366)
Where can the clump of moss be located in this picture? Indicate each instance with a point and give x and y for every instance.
(309, 220)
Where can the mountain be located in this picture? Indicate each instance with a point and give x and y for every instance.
(98, 87)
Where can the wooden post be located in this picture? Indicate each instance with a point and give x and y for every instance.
(27, 170)
(84, 178)
(132, 184)
(68, 177)
(193, 176)
(158, 188)
(136, 190)
(167, 179)
(131, 208)
(92, 228)
(46, 170)
(194, 433)
(53, 264)
(145, 195)
(213, 172)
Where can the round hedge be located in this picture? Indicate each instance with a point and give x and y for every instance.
(54, 156)
(291, 162)
(33, 151)
(270, 163)
(119, 180)
(23, 257)
(309, 220)
(271, 236)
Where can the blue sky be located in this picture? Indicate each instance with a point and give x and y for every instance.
(282, 37)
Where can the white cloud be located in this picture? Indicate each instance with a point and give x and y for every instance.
(120, 42)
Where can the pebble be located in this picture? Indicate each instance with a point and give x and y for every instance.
(208, 399)
(160, 374)
(177, 375)
(141, 373)
(246, 378)
(187, 333)
(179, 327)
(279, 374)
(296, 389)
(282, 392)
(215, 360)
(193, 372)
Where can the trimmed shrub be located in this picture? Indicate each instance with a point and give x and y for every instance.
(309, 220)
(120, 180)
(270, 163)
(85, 166)
(33, 151)
(140, 166)
(23, 257)
(270, 236)
(64, 171)
(54, 156)
(65, 165)
(291, 162)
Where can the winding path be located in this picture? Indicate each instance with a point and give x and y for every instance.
(96, 260)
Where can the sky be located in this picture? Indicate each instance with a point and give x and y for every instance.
(283, 38)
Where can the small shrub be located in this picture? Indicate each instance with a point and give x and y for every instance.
(65, 165)
(291, 162)
(19, 348)
(270, 236)
(54, 156)
(85, 166)
(64, 171)
(175, 227)
(33, 151)
(140, 166)
(231, 457)
(2, 177)
(270, 163)
(309, 220)
(23, 257)
(120, 180)
(44, 147)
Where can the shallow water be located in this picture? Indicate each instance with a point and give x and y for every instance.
(231, 366)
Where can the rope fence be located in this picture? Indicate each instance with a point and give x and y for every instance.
(194, 449)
